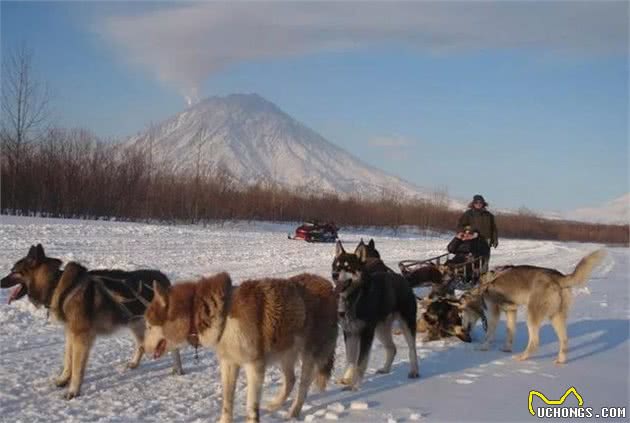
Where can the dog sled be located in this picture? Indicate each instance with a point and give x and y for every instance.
(315, 232)
(457, 273)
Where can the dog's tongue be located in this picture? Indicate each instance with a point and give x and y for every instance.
(15, 292)
(159, 350)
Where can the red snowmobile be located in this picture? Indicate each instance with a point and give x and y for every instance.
(316, 232)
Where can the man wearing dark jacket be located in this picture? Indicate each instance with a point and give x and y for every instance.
(481, 220)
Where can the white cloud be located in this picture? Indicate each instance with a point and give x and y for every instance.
(183, 44)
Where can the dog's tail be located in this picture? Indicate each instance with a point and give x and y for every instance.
(583, 269)
(324, 371)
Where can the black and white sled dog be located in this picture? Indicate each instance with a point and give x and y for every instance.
(368, 304)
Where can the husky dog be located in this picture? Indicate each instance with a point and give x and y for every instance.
(88, 303)
(368, 305)
(251, 325)
(546, 293)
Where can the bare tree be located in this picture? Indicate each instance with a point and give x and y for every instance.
(25, 107)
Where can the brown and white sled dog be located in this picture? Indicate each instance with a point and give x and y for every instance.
(369, 302)
(251, 325)
(546, 293)
(88, 303)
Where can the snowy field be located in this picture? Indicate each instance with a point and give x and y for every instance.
(458, 383)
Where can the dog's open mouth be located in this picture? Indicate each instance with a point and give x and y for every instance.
(18, 292)
(159, 350)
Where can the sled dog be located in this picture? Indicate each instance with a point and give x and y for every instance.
(368, 304)
(251, 325)
(88, 303)
(545, 292)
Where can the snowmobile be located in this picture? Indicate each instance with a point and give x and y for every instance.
(316, 232)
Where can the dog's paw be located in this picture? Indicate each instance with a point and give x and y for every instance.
(177, 372)
(272, 406)
(70, 395)
(294, 413)
(413, 374)
(132, 365)
(383, 371)
(520, 357)
(61, 381)
(560, 362)
(506, 349)
(352, 388)
(343, 381)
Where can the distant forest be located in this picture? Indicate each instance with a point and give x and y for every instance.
(71, 174)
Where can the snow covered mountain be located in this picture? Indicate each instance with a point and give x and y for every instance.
(256, 142)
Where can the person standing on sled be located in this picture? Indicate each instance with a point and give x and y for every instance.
(482, 221)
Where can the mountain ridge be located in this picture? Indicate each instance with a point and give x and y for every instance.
(256, 141)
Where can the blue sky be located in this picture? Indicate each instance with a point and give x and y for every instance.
(528, 108)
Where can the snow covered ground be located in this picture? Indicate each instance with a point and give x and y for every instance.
(458, 383)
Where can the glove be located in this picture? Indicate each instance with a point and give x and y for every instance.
(495, 244)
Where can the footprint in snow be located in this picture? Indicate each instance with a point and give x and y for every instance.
(336, 407)
(359, 405)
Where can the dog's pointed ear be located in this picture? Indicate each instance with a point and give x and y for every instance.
(339, 249)
(362, 254)
(40, 255)
(32, 252)
(360, 246)
(160, 294)
(371, 243)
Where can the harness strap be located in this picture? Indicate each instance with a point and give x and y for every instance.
(100, 284)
